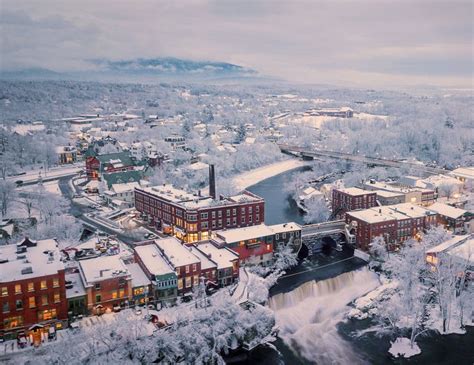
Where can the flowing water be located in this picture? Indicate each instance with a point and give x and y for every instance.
(308, 316)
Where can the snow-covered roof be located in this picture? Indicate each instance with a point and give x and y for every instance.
(77, 289)
(464, 172)
(464, 251)
(125, 187)
(448, 244)
(355, 191)
(206, 263)
(43, 259)
(447, 210)
(139, 278)
(390, 212)
(245, 233)
(198, 166)
(152, 258)
(176, 252)
(387, 194)
(102, 268)
(222, 256)
(285, 227)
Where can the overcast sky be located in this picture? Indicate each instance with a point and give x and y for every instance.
(358, 42)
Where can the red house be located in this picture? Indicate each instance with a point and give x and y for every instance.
(32, 289)
(346, 200)
(108, 163)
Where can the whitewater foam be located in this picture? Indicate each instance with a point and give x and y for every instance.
(308, 315)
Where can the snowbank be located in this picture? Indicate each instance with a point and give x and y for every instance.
(252, 177)
(401, 347)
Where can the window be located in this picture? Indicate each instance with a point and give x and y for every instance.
(139, 291)
(31, 287)
(257, 218)
(234, 221)
(121, 292)
(196, 280)
(97, 286)
(188, 281)
(55, 283)
(187, 269)
(297, 233)
(5, 307)
(250, 210)
(269, 247)
(13, 322)
(242, 210)
(47, 314)
(17, 289)
(213, 224)
(194, 267)
(250, 219)
(219, 222)
(204, 215)
(57, 297)
(213, 214)
(228, 222)
(219, 213)
(284, 235)
(228, 212)
(180, 284)
(257, 209)
(277, 236)
(204, 225)
(43, 285)
(98, 298)
(44, 300)
(31, 302)
(234, 211)
(178, 271)
(242, 220)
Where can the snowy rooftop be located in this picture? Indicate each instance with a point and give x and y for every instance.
(102, 268)
(464, 251)
(153, 260)
(391, 212)
(40, 260)
(285, 227)
(139, 278)
(387, 194)
(355, 191)
(394, 188)
(464, 172)
(124, 187)
(176, 252)
(245, 233)
(222, 256)
(206, 263)
(77, 289)
(446, 245)
(198, 166)
(447, 210)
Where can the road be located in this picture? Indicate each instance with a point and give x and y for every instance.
(82, 213)
(56, 173)
(363, 159)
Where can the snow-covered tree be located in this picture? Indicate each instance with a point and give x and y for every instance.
(317, 211)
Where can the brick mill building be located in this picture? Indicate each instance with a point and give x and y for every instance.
(32, 289)
(395, 223)
(192, 217)
(346, 200)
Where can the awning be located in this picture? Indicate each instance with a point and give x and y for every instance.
(35, 327)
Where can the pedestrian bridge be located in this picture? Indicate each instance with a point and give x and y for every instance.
(312, 234)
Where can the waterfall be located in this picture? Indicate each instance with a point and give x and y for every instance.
(308, 315)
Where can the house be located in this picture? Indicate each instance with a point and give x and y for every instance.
(66, 154)
(32, 288)
(457, 251)
(395, 223)
(465, 175)
(414, 195)
(226, 262)
(108, 163)
(140, 284)
(107, 282)
(433, 254)
(452, 218)
(121, 195)
(208, 267)
(176, 142)
(75, 294)
(159, 270)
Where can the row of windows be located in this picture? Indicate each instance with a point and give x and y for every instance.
(30, 287)
(114, 295)
(187, 269)
(188, 282)
(31, 302)
(167, 283)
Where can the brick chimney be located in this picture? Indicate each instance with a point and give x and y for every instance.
(212, 182)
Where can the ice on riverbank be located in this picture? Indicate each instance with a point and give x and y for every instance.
(401, 347)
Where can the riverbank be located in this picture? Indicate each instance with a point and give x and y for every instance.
(248, 178)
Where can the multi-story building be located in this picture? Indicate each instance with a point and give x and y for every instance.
(395, 223)
(415, 195)
(186, 265)
(226, 262)
(140, 284)
(465, 175)
(192, 217)
(256, 244)
(452, 218)
(32, 288)
(159, 270)
(107, 282)
(176, 142)
(75, 294)
(97, 165)
(66, 154)
(348, 199)
(208, 267)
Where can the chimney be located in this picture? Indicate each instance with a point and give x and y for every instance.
(212, 182)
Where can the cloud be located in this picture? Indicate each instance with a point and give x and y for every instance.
(361, 42)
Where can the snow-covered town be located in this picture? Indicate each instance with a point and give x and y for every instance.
(156, 209)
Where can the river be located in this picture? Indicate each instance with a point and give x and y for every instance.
(310, 304)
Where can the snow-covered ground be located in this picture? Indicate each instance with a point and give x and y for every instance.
(401, 347)
(49, 186)
(55, 172)
(252, 177)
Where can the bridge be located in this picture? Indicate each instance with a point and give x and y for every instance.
(311, 234)
(376, 161)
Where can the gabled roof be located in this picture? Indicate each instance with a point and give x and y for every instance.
(123, 177)
(123, 157)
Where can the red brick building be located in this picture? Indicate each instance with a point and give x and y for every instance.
(346, 200)
(395, 223)
(108, 163)
(192, 217)
(32, 288)
(107, 282)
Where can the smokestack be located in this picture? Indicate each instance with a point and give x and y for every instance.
(212, 182)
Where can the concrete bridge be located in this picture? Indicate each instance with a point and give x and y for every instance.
(376, 161)
(312, 235)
